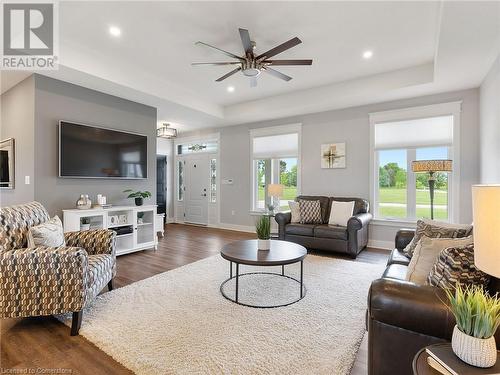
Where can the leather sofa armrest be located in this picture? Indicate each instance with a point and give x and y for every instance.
(403, 238)
(417, 308)
(282, 218)
(359, 221)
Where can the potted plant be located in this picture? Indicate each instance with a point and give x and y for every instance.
(85, 223)
(138, 195)
(263, 230)
(140, 218)
(478, 316)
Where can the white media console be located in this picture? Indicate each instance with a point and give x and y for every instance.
(136, 226)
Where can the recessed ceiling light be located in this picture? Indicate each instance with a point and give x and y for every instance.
(367, 54)
(115, 31)
(230, 89)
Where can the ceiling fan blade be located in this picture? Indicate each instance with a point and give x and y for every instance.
(277, 74)
(288, 62)
(282, 47)
(253, 81)
(218, 63)
(221, 50)
(228, 74)
(247, 43)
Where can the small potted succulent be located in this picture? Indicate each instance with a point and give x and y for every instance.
(85, 223)
(478, 316)
(263, 230)
(138, 195)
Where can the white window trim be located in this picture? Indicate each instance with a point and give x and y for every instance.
(269, 131)
(434, 110)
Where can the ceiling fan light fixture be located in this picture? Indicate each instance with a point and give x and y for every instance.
(251, 72)
(165, 131)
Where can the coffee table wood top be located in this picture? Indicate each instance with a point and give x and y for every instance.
(246, 252)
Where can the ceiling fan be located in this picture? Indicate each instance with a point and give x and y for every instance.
(251, 65)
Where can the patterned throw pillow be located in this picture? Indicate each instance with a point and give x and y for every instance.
(456, 265)
(50, 233)
(310, 212)
(436, 229)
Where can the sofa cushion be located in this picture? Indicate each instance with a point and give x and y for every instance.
(324, 203)
(436, 229)
(295, 211)
(330, 231)
(50, 234)
(426, 253)
(395, 271)
(310, 212)
(300, 229)
(340, 212)
(398, 257)
(456, 265)
(361, 206)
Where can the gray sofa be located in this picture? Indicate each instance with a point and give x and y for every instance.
(349, 240)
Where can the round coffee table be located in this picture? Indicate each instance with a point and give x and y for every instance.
(281, 253)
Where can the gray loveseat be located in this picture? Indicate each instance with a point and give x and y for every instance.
(349, 240)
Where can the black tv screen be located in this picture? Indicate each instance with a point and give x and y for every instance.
(93, 152)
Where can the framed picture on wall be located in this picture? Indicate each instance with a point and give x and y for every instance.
(7, 166)
(333, 155)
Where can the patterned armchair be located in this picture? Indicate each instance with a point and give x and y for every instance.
(51, 280)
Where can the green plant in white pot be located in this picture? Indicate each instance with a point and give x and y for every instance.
(263, 230)
(478, 316)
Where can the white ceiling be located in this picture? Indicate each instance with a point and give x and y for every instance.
(419, 48)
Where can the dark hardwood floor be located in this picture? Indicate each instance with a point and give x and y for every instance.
(45, 343)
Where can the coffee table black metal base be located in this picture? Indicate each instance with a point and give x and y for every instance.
(301, 293)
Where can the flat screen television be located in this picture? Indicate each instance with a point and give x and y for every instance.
(93, 152)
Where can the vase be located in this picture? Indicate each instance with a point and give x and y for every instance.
(139, 201)
(83, 203)
(472, 350)
(263, 244)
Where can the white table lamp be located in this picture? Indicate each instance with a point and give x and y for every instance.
(275, 191)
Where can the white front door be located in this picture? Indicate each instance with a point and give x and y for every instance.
(197, 174)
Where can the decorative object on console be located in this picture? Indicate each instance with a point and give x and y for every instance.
(431, 167)
(7, 166)
(113, 220)
(263, 230)
(436, 229)
(165, 131)
(138, 195)
(340, 212)
(84, 202)
(101, 200)
(140, 217)
(486, 215)
(275, 191)
(478, 316)
(333, 155)
(85, 223)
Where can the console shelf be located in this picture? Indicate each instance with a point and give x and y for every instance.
(140, 218)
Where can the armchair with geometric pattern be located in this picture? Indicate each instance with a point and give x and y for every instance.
(51, 280)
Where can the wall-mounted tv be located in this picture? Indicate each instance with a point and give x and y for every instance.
(93, 152)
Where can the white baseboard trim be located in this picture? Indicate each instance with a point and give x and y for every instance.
(170, 220)
(386, 245)
(236, 227)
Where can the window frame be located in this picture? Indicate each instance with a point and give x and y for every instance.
(443, 109)
(271, 131)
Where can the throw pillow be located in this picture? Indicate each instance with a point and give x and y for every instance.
(426, 253)
(340, 213)
(456, 265)
(295, 211)
(436, 229)
(310, 212)
(50, 233)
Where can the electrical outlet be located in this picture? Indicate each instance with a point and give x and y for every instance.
(26, 180)
(233, 212)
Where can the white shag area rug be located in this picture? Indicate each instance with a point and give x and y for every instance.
(178, 322)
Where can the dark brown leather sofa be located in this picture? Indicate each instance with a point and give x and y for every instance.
(404, 317)
(348, 240)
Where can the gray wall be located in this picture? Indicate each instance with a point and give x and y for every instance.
(490, 125)
(56, 100)
(17, 121)
(351, 126)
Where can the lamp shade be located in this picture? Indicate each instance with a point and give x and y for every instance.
(486, 213)
(275, 190)
(431, 166)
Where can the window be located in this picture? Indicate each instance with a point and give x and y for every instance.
(213, 180)
(398, 193)
(180, 180)
(275, 160)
